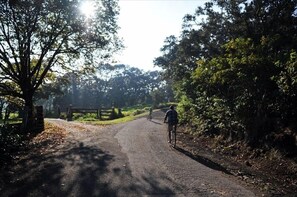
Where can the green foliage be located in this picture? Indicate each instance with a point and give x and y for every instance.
(10, 140)
(286, 81)
(235, 71)
(287, 78)
(115, 121)
(165, 105)
(239, 87)
(135, 110)
(38, 38)
(85, 117)
(139, 111)
(111, 86)
(14, 116)
(128, 114)
(63, 116)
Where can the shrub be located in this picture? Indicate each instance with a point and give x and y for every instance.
(85, 117)
(77, 116)
(10, 139)
(139, 111)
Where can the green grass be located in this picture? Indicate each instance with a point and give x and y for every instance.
(130, 113)
(14, 121)
(115, 121)
(110, 122)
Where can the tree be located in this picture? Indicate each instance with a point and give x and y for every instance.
(118, 85)
(129, 87)
(41, 35)
(235, 70)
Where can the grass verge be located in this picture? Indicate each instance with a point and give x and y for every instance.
(115, 121)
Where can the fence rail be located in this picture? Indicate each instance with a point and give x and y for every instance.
(101, 113)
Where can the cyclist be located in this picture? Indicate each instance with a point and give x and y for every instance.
(171, 115)
(150, 116)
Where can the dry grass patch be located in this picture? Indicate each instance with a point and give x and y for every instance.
(51, 136)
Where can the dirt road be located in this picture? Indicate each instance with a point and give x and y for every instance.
(131, 159)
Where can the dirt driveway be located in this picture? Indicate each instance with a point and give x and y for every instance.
(131, 159)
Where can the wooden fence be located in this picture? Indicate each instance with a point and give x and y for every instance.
(39, 119)
(101, 113)
(37, 122)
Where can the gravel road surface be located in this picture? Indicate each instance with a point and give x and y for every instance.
(131, 159)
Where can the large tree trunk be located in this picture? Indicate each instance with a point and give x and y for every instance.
(28, 117)
(1, 108)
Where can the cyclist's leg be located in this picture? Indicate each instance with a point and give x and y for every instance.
(174, 131)
(170, 127)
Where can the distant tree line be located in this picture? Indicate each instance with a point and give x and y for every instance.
(234, 69)
(108, 86)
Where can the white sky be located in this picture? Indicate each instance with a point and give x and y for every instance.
(146, 23)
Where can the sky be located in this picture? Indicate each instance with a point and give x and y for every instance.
(144, 25)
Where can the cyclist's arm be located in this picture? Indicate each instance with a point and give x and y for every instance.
(165, 117)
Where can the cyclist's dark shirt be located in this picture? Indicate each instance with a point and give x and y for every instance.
(172, 116)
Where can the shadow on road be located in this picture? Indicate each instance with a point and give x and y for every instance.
(80, 170)
(44, 174)
(203, 161)
(156, 122)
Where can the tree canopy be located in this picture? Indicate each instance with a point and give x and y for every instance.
(110, 86)
(234, 67)
(39, 36)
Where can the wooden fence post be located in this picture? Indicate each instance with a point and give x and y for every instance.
(69, 113)
(120, 112)
(100, 114)
(113, 114)
(39, 124)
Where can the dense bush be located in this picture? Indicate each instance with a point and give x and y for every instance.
(10, 139)
(235, 73)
